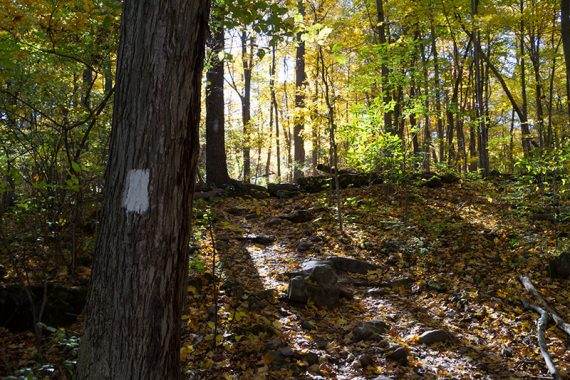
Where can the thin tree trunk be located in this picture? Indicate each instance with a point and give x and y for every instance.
(133, 315)
(386, 88)
(565, 29)
(216, 162)
(440, 135)
(247, 60)
(299, 122)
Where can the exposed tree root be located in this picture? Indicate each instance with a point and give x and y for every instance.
(542, 326)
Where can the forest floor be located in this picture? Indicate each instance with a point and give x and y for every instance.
(454, 265)
(460, 254)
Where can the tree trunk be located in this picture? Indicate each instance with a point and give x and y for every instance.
(216, 162)
(440, 134)
(133, 315)
(565, 25)
(300, 78)
(386, 88)
(525, 130)
(479, 105)
(247, 60)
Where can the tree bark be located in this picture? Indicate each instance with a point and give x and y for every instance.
(247, 60)
(565, 25)
(132, 327)
(300, 78)
(216, 161)
(386, 88)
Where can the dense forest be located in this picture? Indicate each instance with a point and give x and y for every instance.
(284, 189)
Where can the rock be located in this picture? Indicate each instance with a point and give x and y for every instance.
(274, 187)
(345, 264)
(237, 211)
(304, 245)
(298, 290)
(398, 354)
(449, 178)
(314, 184)
(352, 180)
(63, 305)
(434, 336)
(284, 194)
(365, 360)
(369, 330)
(374, 292)
(433, 183)
(299, 216)
(309, 265)
(242, 189)
(315, 368)
(307, 325)
(382, 377)
(311, 358)
(560, 266)
(272, 222)
(391, 245)
(283, 190)
(319, 284)
(252, 216)
(259, 239)
(287, 352)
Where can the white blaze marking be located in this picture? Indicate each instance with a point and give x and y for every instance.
(135, 197)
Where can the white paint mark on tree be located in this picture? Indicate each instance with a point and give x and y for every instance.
(135, 197)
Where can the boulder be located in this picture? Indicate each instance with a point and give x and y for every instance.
(369, 330)
(560, 266)
(299, 216)
(398, 354)
(283, 190)
(434, 336)
(314, 184)
(320, 284)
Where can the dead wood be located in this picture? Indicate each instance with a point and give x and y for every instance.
(560, 323)
(542, 325)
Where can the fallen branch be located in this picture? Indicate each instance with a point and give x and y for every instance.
(560, 323)
(542, 325)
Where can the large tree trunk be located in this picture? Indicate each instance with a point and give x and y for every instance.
(216, 163)
(132, 327)
(300, 78)
(565, 24)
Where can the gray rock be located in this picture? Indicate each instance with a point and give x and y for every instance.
(398, 354)
(307, 325)
(298, 290)
(365, 360)
(284, 194)
(259, 239)
(345, 264)
(272, 222)
(320, 283)
(374, 292)
(287, 352)
(299, 216)
(238, 211)
(304, 245)
(434, 336)
(391, 245)
(311, 358)
(560, 266)
(369, 330)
